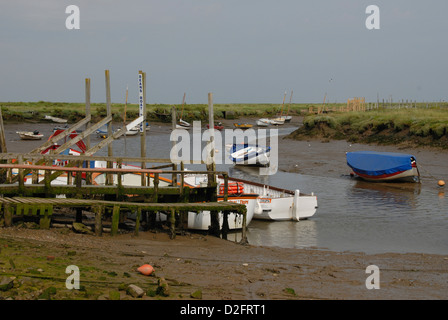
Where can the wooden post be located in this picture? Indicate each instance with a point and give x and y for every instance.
(109, 125)
(173, 147)
(98, 220)
(115, 220)
(225, 224)
(88, 115)
(226, 187)
(143, 126)
(2, 134)
(211, 166)
(137, 221)
(156, 187)
(8, 209)
(172, 224)
(214, 223)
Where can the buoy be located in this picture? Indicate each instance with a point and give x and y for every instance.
(441, 183)
(145, 269)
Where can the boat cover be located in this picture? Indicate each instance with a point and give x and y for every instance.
(379, 163)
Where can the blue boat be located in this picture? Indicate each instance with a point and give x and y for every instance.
(249, 154)
(383, 166)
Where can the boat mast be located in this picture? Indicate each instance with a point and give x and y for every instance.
(290, 99)
(182, 112)
(281, 111)
(125, 106)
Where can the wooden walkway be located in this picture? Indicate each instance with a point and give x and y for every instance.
(26, 206)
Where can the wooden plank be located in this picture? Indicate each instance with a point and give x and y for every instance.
(62, 135)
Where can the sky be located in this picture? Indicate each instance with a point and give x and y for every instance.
(242, 51)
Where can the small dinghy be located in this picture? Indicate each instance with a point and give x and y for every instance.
(249, 154)
(30, 135)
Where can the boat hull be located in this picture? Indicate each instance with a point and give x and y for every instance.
(249, 155)
(383, 166)
(202, 220)
(404, 176)
(29, 135)
(274, 204)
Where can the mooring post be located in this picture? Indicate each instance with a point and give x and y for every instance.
(109, 127)
(172, 224)
(142, 112)
(243, 228)
(225, 224)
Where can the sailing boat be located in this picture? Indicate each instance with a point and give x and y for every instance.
(182, 124)
(280, 120)
(287, 117)
(132, 131)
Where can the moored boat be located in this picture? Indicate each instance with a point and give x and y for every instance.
(55, 119)
(243, 125)
(217, 126)
(383, 166)
(249, 154)
(30, 135)
(263, 122)
(278, 121)
(274, 204)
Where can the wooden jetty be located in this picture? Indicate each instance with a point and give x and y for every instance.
(39, 198)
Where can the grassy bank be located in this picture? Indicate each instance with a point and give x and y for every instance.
(412, 126)
(35, 111)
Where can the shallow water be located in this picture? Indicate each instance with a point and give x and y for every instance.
(352, 216)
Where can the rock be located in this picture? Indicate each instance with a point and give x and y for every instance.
(135, 291)
(163, 289)
(81, 228)
(197, 294)
(6, 283)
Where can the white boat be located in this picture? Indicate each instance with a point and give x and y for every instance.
(272, 203)
(286, 118)
(278, 121)
(182, 124)
(30, 135)
(249, 154)
(55, 119)
(263, 122)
